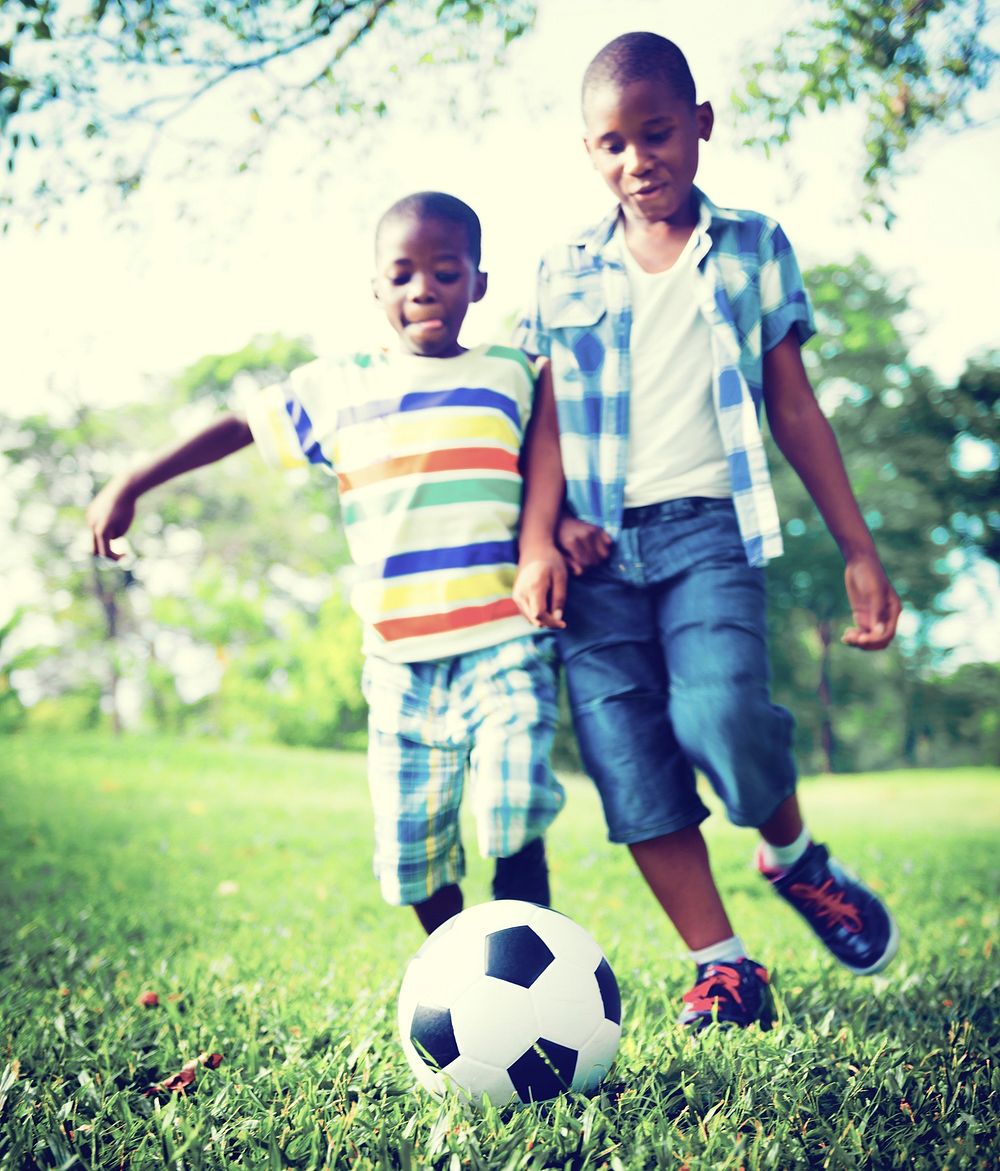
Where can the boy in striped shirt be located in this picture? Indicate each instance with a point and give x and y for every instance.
(428, 446)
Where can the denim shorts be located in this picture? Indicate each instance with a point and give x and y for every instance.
(666, 660)
(488, 717)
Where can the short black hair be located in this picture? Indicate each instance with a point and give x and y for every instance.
(640, 57)
(436, 205)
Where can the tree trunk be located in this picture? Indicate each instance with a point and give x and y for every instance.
(827, 737)
(109, 604)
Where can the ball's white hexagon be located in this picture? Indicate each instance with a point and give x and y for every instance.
(567, 1002)
(477, 1078)
(442, 973)
(486, 917)
(596, 1055)
(565, 938)
(494, 1021)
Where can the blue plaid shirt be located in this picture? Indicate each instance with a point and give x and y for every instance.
(751, 294)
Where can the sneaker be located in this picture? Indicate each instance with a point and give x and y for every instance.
(849, 918)
(732, 992)
(524, 875)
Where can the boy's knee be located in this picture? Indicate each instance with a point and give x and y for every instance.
(733, 716)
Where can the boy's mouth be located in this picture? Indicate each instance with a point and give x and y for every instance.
(425, 324)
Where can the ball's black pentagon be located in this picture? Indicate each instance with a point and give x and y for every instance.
(544, 1071)
(433, 1036)
(517, 955)
(609, 992)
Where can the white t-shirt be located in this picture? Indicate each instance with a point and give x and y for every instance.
(675, 448)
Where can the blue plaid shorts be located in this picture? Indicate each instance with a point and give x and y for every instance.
(488, 714)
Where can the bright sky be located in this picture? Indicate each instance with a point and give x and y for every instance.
(105, 314)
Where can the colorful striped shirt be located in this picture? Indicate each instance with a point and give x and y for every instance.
(425, 453)
(750, 292)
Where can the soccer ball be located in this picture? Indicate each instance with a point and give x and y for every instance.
(510, 1000)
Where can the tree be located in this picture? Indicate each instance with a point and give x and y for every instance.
(906, 65)
(223, 558)
(966, 418)
(90, 96)
(901, 468)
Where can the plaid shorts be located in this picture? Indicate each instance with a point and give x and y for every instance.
(489, 714)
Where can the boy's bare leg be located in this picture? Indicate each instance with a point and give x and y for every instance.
(443, 905)
(678, 872)
(784, 825)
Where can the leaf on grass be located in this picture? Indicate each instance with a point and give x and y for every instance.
(148, 999)
(178, 1083)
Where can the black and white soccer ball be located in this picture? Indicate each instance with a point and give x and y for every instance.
(510, 1000)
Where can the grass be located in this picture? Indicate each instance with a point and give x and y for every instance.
(234, 882)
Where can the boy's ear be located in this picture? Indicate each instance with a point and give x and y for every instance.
(479, 287)
(704, 117)
(375, 288)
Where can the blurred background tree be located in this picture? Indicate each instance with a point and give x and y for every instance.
(91, 92)
(901, 66)
(232, 617)
(923, 461)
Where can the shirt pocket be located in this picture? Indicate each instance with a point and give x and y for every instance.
(577, 304)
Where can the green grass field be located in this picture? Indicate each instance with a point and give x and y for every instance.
(234, 882)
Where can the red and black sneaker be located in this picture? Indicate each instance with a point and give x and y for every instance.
(851, 920)
(731, 992)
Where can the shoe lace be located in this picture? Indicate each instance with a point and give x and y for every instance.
(829, 904)
(700, 998)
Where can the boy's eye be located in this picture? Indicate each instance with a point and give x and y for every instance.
(399, 278)
(614, 148)
(655, 136)
(447, 277)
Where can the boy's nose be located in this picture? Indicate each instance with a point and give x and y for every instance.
(420, 288)
(636, 160)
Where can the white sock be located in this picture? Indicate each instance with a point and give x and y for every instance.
(784, 857)
(725, 950)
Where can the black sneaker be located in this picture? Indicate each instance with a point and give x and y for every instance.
(732, 992)
(524, 875)
(851, 920)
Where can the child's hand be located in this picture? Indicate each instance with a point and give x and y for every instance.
(109, 516)
(583, 545)
(874, 604)
(540, 590)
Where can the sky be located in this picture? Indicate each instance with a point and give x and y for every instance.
(105, 314)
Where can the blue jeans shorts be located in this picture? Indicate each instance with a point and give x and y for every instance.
(666, 660)
(489, 716)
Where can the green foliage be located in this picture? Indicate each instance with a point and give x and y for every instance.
(235, 883)
(232, 618)
(958, 712)
(211, 570)
(267, 358)
(966, 419)
(901, 434)
(12, 711)
(89, 92)
(905, 66)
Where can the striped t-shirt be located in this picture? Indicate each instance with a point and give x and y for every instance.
(425, 452)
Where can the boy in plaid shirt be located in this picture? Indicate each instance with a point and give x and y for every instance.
(668, 325)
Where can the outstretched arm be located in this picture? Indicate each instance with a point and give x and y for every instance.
(112, 510)
(540, 587)
(807, 441)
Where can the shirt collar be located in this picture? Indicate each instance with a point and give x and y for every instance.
(597, 238)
